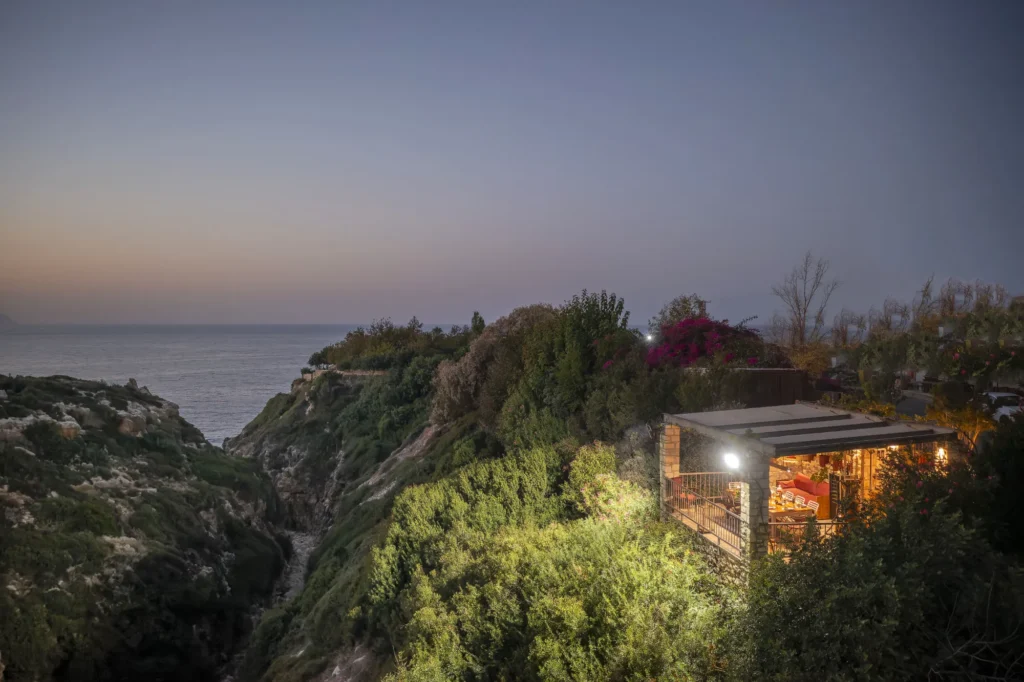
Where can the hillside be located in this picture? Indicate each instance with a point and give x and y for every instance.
(6, 323)
(490, 420)
(481, 506)
(130, 548)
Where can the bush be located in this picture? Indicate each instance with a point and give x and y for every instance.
(587, 600)
(590, 462)
(481, 378)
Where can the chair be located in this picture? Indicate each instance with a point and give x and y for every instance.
(801, 501)
(788, 495)
(813, 506)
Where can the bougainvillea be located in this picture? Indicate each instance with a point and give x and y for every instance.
(993, 360)
(700, 338)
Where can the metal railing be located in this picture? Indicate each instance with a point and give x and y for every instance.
(785, 536)
(701, 499)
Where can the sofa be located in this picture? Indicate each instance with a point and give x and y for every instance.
(810, 490)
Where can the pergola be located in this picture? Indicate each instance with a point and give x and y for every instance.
(745, 444)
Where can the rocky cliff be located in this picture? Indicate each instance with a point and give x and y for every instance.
(338, 448)
(130, 548)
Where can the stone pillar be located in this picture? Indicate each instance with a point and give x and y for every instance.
(755, 490)
(668, 456)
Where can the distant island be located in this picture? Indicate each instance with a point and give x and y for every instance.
(6, 323)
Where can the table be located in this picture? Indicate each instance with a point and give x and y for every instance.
(798, 514)
(779, 508)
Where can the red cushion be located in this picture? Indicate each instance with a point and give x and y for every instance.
(804, 484)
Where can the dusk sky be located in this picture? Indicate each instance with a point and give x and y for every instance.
(335, 162)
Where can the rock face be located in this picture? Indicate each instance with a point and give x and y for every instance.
(294, 443)
(130, 548)
(338, 448)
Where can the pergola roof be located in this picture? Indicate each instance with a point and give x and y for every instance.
(805, 429)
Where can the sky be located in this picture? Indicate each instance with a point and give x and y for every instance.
(337, 162)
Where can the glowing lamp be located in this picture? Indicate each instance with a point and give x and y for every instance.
(731, 460)
(940, 455)
(650, 337)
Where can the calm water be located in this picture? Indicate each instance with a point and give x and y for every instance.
(220, 376)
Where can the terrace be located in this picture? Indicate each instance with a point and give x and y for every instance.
(754, 481)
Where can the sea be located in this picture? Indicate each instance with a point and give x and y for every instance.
(220, 376)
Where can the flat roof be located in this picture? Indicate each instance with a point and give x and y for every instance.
(806, 429)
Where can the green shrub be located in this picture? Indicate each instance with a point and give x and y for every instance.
(87, 514)
(590, 462)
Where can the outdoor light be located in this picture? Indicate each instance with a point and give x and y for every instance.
(940, 455)
(731, 460)
(650, 337)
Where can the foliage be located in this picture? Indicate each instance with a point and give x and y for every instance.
(590, 462)
(1001, 463)
(584, 600)
(692, 340)
(124, 556)
(483, 576)
(956, 408)
(608, 497)
(510, 553)
(481, 379)
(678, 309)
(866, 405)
(815, 358)
(385, 345)
(483, 496)
(914, 590)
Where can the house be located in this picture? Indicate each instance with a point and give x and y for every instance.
(749, 481)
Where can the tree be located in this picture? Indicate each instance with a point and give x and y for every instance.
(478, 324)
(805, 292)
(848, 329)
(678, 309)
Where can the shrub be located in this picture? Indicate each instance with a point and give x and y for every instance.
(694, 340)
(585, 600)
(590, 462)
(493, 358)
(607, 497)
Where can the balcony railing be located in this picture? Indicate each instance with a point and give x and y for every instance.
(701, 499)
(786, 536)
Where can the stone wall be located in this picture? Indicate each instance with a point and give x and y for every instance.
(668, 459)
(731, 568)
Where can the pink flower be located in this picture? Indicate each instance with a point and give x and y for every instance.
(956, 356)
(607, 365)
(987, 363)
(924, 511)
(752, 361)
(963, 371)
(920, 483)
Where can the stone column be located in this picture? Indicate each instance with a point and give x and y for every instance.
(754, 493)
(668, 456)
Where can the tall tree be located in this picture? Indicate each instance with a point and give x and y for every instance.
(805, 292)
